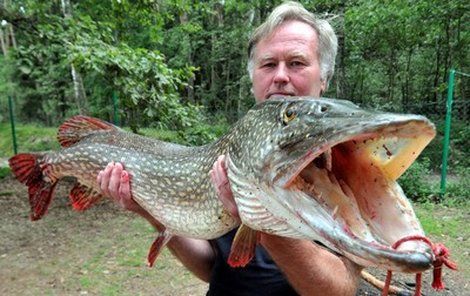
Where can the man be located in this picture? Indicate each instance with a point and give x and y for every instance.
(292, 53)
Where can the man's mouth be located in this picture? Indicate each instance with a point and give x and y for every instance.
(280, 94)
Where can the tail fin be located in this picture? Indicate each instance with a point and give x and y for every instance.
(27, 170)
(77, 127)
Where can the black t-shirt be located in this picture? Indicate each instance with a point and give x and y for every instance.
(260, 277)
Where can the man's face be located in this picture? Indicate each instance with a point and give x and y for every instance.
(286, 63)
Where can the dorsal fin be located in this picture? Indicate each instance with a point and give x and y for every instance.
(79, 126)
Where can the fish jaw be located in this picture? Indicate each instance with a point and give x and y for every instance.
(356, 184)
(337, 184)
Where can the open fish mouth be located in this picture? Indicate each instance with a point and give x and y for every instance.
(346, 194)
(339, 187)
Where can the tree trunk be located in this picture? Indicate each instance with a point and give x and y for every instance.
(437, 70)
(7, 38)
(78, 88)
(341, 56)
(219, 19)
(407, 83)
(190, 89)
(391, 75)
(12, 36)
(3, 42)
(66, 8)
(447, 53)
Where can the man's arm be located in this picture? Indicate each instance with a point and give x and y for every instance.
(308, 267)
(196, 255)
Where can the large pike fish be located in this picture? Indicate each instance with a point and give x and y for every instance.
(317, 169)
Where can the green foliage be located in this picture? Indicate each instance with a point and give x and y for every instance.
(7, 85)
(144, 82)
(389, 48)
(458, 149)
(458, 188)
(460, 137)
(414, 183)
(204, 133)
(420, 183)
(4, 171)
(200, 134)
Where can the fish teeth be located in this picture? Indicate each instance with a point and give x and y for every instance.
(346, 189)
(328, 160)
(335, 211)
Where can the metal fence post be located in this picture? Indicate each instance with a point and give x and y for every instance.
(445, 148)
(12, 123)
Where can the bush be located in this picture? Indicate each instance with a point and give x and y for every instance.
(458, 190)
(204, 133)
(413, 181)
(4, 171)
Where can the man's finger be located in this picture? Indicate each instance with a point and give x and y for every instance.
(98, 179)
(220, 181)
(125, 189)
(115, 180)
(105, 178)
(221, 161)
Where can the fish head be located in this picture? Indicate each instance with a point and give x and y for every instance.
(327, 170)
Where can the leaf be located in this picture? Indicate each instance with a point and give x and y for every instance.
(24, 70)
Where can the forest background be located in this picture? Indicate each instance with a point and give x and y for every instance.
(180, 66)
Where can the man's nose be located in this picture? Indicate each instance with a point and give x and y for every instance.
(282, 74)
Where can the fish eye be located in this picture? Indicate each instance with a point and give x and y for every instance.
(288, 116)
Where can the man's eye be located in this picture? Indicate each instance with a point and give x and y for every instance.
(296, 63)
(269, 65)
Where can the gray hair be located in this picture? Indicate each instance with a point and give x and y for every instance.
(289, 11)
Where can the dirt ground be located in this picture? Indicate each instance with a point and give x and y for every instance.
(102, 252)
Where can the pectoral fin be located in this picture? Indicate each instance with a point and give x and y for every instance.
(243, 246)
(83, 197)
(162, 239)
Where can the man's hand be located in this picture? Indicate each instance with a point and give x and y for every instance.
(221, 184)
(114, 182)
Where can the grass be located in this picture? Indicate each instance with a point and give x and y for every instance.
(449, 225)
(28, 137)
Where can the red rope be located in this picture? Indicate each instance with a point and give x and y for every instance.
(441, 257)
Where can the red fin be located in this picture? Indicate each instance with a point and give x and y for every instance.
(27, 170)
(157, 246)
(25, 167)
(40, 197)
(83, 197)
(243, 246)
(77, 127)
